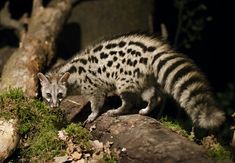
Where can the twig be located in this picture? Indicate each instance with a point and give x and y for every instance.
(74, 102)
(37, 5)
(8, 22)
(179, 25)
(164, 32)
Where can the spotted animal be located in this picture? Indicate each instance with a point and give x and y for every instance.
(134, 65)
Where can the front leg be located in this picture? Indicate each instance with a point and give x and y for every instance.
(97, 103)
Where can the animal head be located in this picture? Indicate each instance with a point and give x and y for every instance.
(53, 88)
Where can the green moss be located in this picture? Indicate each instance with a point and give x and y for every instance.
(45, 145)
(174, 126)
(38, 124)
(79, 135)
(9, 101)
(15, 94)
(218, 152)
(109, 158)
(215, 150)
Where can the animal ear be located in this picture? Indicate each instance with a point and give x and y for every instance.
(64, 78)
(42, 78)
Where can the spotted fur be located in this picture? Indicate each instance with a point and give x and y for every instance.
(137, 65)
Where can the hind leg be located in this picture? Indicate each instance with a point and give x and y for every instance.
(126, 105)
(152, 98)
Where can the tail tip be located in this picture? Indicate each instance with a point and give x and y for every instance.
(211, 119)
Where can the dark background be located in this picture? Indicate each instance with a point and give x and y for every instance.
(212, 47)
(213, 53)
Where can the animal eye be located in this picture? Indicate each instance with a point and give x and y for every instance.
(59, 95)
(48, 95)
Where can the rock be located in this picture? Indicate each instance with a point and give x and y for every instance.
(9, 137)
(144, 139)
(138, 138)
(73, 105)
(62, 159)
(97, 145)
(76, 155)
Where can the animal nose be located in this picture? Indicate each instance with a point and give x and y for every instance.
(54, 105)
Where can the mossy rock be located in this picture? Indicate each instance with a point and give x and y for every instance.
(39, 126)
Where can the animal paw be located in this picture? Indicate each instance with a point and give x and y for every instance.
(144, 111)
(90, 118)
(112, 112)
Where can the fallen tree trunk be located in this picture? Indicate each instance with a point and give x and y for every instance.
(144, 139)
(37, 46)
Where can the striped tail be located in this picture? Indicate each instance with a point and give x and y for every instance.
(180, 78)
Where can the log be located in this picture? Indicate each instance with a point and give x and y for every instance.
(146, 140)
(37, 46)
(5, 54)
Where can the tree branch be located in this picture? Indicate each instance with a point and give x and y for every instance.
(8, 22)
(36, 47)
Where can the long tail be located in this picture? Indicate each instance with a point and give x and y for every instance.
(180, 78)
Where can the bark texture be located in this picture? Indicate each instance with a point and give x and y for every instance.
(36, 47)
